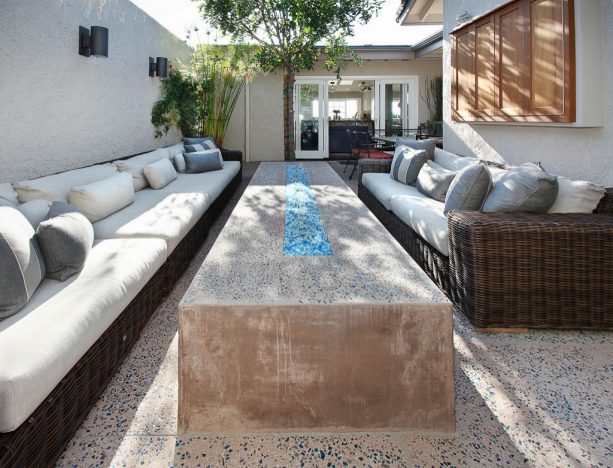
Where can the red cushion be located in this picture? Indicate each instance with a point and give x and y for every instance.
(372, 154)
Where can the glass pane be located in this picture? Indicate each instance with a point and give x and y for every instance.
(308, 117)
(393, 109)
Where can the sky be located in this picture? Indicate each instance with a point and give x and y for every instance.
(180, 15)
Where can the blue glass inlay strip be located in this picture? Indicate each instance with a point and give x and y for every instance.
(304, 231)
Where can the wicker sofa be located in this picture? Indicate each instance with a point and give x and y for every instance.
(512, 270)
(147, 266)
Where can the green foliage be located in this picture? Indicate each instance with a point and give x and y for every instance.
(201, 99)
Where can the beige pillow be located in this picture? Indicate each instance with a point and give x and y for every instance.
(577, 196)
(180, 163)
(8, 196)
(135, 170)
(160, 173)
(103, 198)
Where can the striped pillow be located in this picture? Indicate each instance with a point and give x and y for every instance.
(194, 148)
(407, 163)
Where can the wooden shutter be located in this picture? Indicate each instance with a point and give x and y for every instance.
(485, 77)
(464, 74)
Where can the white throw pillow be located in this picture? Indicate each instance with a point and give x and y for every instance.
(103, 198)
(8, 196)
(35, 211)
(135, 170)
(57, 186)
(180, 163)
(175, 149)
(160, 173)
(577, 196)
(452, 161)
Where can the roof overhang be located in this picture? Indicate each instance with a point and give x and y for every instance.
(420, 12)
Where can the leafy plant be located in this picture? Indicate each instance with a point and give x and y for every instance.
(289, 33)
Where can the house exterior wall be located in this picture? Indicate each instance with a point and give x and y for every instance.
(266, 103)
(585, 153)
(60, 110)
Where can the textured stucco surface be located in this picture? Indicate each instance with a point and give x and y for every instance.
(585, 153)
(266, 103)
(60, 110)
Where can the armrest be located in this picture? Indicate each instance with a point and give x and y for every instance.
(373, 165)
(232, 155)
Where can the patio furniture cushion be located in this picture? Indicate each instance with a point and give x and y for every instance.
(425, 216)
(104, 197)
(209, 142)
(384, 188)
(179, 162)
(407, 163)
(136, 170)
(168, 213)
(452, 161)
(203, 161)
(35, 211)
(8, 196)
(195, 148)
(150, 157)
(434, 182)
(371, 154)
(22, 267)
(577, 196)
(57, 186)
(427, 145)
(160, 173)
(469, 189)
(526, 188)
(43, 341)
(65, 241)
(174, 150)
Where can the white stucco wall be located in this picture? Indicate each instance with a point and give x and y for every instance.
(585, 153)
(60, 110)
(266, 103)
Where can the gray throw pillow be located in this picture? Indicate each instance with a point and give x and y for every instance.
(434, 183)
(406, 164)
(59, 207)
(469, 189)
(194, 148)
(527, 188)
(22, 267)
(65, 242)
(206, 142)
(203, 161)
(427, 145)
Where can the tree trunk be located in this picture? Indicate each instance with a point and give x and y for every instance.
(289, 147)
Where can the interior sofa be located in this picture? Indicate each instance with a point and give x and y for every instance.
(502, 270)
(59, 352)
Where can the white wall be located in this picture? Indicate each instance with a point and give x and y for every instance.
(266, 103)
(60, 110)
(585, 153)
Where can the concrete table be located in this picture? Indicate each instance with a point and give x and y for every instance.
(308, 316)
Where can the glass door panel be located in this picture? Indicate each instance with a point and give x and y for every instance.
(309, 115)
(398, 107)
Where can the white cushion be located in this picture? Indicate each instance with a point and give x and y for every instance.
(8, 196)
(136, 170)
(384, 188)
(577, 196)
(100, 199)
(150, 157)
(168, 213)
(44, 340)
(174, 150)
(452, 161)
(180, 163)
(160, 173)
(425, 216)
(57, 186)
(35, 211)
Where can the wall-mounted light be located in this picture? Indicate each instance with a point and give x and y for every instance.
(158, 67)
(94, 43)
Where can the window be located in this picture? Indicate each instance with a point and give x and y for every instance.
(516, 64)
(348, 108)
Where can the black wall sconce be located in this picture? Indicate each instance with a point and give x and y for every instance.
(94, 43)
(158, 67)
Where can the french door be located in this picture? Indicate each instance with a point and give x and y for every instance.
(310, 122)
(397, 108)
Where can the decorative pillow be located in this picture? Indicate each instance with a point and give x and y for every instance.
(468, 189)
(8, 196)
(196, 148)
(174, 150)
(35, 211)
(65, 242)
(160, 174)
(103, 198)
(426, 145)
(180, 162)
(203, 161)
(207, 142)
(407, 163)
(57, 186)
(433, 182)
(135, 170)
(577, 196)
(526, 188)
(22, 267)
(58, 208)
(452, 161)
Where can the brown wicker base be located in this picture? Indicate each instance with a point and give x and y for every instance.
(517, 270)
(42, 438)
